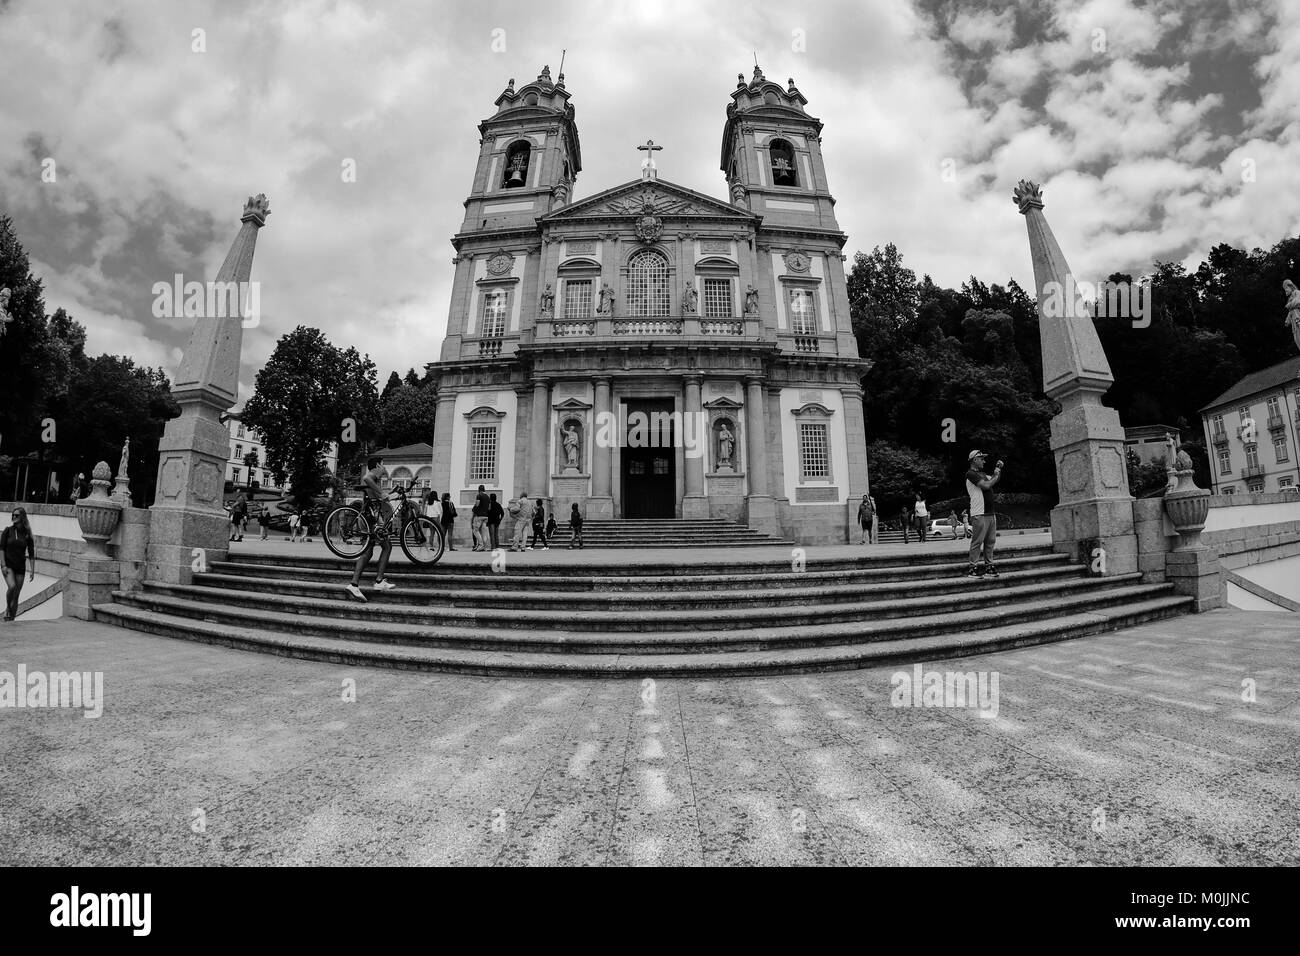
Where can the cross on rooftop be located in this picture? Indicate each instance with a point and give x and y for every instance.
(648, 168)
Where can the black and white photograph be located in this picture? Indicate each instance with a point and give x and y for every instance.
(762, 434)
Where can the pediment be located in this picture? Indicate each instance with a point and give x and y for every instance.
(649, 198)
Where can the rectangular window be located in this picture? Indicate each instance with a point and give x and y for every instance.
(1216, 425)
(483, 453)
(1284, 482)
(1225, 462)
(1244, 414)
(241, 432)
(814, 454)
(235, 473)
(1252, 456)
(577, 298)
(1256, 488)
(1273, 407)
(494, 314)
(717, 299)
(802, 313)
(1229, 491)
(1279, 449)
(239, 453)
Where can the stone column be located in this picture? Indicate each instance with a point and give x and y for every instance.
(601, 503)
(540, 462)
(187, 522)
(855, 433)
(444, 426)
(694, 502)
(760, 509)
(1087, 440)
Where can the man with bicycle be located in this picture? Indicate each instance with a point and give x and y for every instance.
(374, 494)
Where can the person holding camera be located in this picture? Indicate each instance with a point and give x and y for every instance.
(984, 522)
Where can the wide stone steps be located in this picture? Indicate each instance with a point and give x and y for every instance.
(602, 617)
(662, 533)
(738, 663)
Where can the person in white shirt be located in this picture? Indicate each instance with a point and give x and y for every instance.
(984, 522)
(922, 514)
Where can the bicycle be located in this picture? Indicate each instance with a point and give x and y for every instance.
(349, 530)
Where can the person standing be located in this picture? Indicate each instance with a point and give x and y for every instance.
(433, 508)
(17, 544)
(984, 522)
(922, 512)
(448, 519)
(866, 514)
(551, 525)
(264, 520)
(521, 511)
(539, 527)
(381, 534)
(575, 528)
(955, 522)
(494, 516)
(78, 485)
(238, 515)
(905, 519)
(478, 520)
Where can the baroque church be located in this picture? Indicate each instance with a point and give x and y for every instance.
(652, 351)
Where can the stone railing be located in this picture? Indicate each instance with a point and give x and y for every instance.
(648, 326)
(562, 327)
(713, 326)
(489, 348)
(806, 343)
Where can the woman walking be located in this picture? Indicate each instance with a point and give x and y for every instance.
(17, 545)
(539, 527)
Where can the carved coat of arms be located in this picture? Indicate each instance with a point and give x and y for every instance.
(649, 228)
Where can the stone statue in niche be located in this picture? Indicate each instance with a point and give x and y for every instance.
(571, 440)
(726, 447)
(751, 301)
(1292, 309)
(548, 301)
(606, 300)
(690, 300)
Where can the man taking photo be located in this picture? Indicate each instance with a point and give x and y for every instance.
(983, 520)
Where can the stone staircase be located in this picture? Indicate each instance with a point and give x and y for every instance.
(664, 533)
(734, 617)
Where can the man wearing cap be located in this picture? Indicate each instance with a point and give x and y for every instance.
(983, 520)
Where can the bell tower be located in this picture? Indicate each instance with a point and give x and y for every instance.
(529, 157)
(772, 155)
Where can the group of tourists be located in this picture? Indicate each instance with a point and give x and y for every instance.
(980, 523)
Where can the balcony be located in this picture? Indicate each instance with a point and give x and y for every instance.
(489, 348)
(648, 327)
(1219, 436)
(1252, 471)
(1276, 422)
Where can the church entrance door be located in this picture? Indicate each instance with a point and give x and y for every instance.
(649, 456)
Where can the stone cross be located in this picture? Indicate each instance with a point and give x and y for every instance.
(648, 168)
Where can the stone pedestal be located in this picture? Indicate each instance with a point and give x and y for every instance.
(92, 579)
(602, 507)
(695, 506)
(1196, 573)
(760, 514)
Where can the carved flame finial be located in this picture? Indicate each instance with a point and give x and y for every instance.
(1027, 195)
(258, 207)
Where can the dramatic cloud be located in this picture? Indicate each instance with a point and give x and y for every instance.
(1157, 128)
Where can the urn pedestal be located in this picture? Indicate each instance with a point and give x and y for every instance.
(98, 514)
(1192, 567)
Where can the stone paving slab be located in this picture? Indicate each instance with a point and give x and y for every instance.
(1148, 725)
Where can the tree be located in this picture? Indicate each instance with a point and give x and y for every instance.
(411, 378)
(393, 384)
(407, 416)
(251, 461)
(882, 293)
(309, 394)
(898, 472)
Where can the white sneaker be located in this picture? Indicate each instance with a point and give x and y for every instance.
(384, 585)
(356, 592)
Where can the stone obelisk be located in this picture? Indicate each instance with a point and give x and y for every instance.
(1087, 440)
(187, 523)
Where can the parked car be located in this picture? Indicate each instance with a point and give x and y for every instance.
(942, 528)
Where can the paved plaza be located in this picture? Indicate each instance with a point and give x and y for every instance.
(1133, 747)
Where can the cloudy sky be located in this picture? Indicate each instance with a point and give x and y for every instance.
(1157, 129)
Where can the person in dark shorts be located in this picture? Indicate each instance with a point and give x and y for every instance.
(381, 536)
(866, 512)
(539, 527)
(575, 527)
(494, 516)
(17, 544)
(448, 519)
(984, 522)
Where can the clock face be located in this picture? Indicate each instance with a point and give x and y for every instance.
(797, 261)
(500, 264)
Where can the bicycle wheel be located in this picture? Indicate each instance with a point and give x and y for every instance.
(422, 540)
(346, 532)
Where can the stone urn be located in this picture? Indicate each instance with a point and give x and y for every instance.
(1187, 505)
(98, 514)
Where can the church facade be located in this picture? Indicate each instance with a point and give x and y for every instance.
(651, 351)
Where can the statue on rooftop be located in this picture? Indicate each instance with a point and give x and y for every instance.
(1292, 309)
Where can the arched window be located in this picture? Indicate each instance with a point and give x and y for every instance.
(647, 284)
(516, 173)
(783, 169)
